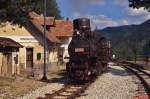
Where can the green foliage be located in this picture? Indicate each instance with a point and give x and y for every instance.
(139, 3)
(146, 48)
(53, 9)
(17, 11)
(123, 52)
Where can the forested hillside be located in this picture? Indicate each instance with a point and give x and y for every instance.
(129, 41)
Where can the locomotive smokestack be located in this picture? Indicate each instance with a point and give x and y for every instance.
(81, 24)
(67, 19)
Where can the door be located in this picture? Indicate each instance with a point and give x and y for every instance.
(60, 55)
(29, 57)
(9, 63)
(4, 65)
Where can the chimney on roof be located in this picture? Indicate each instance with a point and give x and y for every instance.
(67, 19)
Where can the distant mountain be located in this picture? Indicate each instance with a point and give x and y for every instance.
(129, 39)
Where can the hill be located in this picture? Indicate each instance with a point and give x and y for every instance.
(129, 40)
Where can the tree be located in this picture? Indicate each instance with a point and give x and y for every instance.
(17, 11)
(53, 9)
(146, 51)
(134, 47)
(139, 3)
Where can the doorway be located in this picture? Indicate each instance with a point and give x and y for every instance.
(29, 58)
(7, 64)
(60, 55)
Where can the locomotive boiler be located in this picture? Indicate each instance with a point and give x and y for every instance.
(88, 53)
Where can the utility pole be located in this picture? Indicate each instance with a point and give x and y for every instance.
(45, 44)
(135, 50)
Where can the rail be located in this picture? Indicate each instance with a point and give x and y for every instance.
(141, 74)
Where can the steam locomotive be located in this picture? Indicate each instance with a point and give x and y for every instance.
(89, 53)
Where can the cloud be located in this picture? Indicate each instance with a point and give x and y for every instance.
(83, 5)
(102, 21)
(95, 2)
(87, 2)
(130, 16)
(136, 16)
(121, 2)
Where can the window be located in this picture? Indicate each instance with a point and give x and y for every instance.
(38, 56)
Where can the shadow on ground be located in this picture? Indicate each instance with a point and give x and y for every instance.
(61, 77)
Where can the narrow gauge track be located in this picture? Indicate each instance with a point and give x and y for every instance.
(143, 76)
(69, 91)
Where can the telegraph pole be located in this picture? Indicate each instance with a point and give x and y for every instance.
(45, 44)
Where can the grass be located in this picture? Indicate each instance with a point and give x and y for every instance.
(5, 81)
(60, 72)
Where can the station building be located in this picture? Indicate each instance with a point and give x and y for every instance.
(28, 52)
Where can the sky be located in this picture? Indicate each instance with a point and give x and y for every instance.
(103, 13)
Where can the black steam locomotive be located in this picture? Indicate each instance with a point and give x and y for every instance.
(89, 53)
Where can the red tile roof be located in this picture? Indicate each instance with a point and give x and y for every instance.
(49, 20)
(51, 37)
(57, 28)
(63, 28)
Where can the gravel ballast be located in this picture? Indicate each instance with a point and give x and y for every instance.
(115, 84)
(41, 91)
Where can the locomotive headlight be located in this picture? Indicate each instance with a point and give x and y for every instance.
(89, 73)
(78, 33)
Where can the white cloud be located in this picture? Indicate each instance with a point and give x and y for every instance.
(87, 2)
(77, 15)
(136, 16)
(82, 5)
(136, 12)
(95, 2)
(121, 2)
(124, 22)
(130, 16)
(102, 21)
